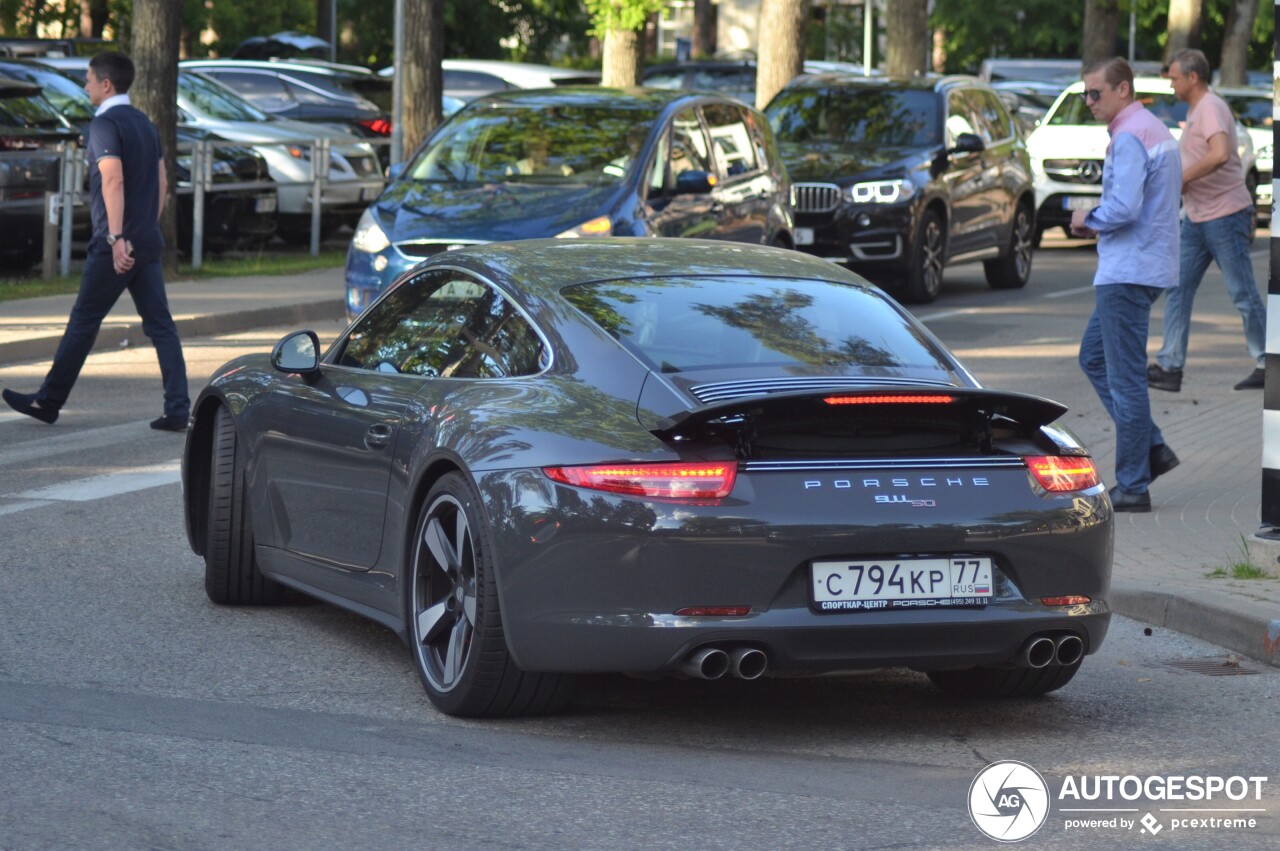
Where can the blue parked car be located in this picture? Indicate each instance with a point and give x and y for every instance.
(576, 162)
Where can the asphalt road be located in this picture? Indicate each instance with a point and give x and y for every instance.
(134, 713)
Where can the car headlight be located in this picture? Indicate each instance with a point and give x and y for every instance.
(599, 226)
(221, 167)
(369, 238)
(880, 192)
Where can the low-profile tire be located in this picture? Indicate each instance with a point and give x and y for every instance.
(1013, 270)
(454, 622)
(1004, 682)
(231, 574)
(928, 257)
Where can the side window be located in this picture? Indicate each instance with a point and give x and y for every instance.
(665, 79)
(658, 168)
(445, 325)
(993, 115)
(264, 91)
(959, 117)
(688, 146)
(304, 94)
(727, 126)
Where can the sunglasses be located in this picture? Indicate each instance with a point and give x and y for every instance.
(1089, 95)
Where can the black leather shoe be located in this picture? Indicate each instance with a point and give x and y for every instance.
(1257, 378)
(25, 403)
(1162, 460)
(1164, 379)
(1138, 503)
(167, 423)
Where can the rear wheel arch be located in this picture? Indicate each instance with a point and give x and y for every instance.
(198, 451)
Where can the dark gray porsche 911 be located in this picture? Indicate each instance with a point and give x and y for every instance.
(706, 459)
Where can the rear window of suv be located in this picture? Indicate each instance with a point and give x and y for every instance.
(678, 324)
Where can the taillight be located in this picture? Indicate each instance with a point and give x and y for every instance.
(893, 399)
(380, 126)
(1061, 473)
(701, 480)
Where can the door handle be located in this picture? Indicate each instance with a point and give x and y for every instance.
(377, 436)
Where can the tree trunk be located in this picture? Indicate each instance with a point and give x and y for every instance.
(1184, 26)
(99, 14)
(622, 58)
(907, 29)
(1101, 26)
(326, 23)
(704, 29)
(423, 85)
(157, 25)
(37, 6)
(1235, 42)
(784, 27)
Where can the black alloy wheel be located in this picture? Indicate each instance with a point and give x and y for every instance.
(924, 277)
(1013, 270)
(455, 627)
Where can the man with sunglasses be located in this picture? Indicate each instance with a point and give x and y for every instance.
(1136, 224)
(1218, 225)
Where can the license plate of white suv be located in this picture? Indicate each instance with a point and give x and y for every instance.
(903, 583)
(1081, 202)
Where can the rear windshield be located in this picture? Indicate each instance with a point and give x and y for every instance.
(678, 324)
(845, 114)
(1253, 111)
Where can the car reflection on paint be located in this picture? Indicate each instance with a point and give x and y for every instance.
(551, 457)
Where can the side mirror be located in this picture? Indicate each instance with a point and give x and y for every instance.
(394, 171)
(695, 182)
(298, 353)
(968, 143)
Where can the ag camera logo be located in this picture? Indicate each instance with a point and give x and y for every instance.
(1008, 801)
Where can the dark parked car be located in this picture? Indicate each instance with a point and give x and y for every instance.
(542, 458)
(900, 177)
(30, 132)
(231, 218)
(576, 162)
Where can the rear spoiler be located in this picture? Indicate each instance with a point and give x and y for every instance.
(1029, 411)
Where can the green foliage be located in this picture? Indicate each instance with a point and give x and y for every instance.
(234, 22)
(621, 14)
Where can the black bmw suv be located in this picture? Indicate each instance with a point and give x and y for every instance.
(897, 178)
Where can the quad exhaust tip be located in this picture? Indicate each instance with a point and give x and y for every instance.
(1068, 650)
(1038, 652)
(709, 663)
(748, 663)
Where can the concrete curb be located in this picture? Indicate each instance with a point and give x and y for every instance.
(115, 335)
(1248, 628)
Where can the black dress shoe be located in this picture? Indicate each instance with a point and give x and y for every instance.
(25, 403)
(1162, 460)
(1138, 503)
(1164, 379)
(1257, 378)
(167, 423)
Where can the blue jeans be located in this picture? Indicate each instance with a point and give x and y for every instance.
(100, 288)
(1227, 241)
(1113, 355)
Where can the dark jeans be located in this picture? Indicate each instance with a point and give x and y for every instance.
(100, 287)
(1113, 354)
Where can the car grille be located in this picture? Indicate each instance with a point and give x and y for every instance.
(816, 197)
(1074, 171)
(421, 248)
(724, 390)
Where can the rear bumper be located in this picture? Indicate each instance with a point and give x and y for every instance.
(599, 591)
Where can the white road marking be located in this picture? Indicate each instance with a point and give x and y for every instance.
(96, 487)
(45, 447)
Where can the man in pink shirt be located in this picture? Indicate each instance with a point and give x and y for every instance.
(1217, 225)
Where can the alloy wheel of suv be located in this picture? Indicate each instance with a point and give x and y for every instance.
(924, 277)
(1013, 270)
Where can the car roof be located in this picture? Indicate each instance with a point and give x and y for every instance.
(1243, 91)
(923, 83)
(312, 66)
(597, 96)
(543, 266)
(523, 74)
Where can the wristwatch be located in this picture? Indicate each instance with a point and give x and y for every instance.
(113, 238)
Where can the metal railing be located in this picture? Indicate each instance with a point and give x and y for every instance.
(69, 192)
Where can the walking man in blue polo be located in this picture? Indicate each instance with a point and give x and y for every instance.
(127, 188)
(1136, 224)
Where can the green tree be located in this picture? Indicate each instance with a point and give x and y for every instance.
(621, 22)
(1019, 28)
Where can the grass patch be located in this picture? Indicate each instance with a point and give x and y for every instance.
(220, 267)
(1240, 566)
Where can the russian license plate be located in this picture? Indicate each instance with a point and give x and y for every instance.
(804, 236)
(1081, 202)
(908, 583)
(265, 204)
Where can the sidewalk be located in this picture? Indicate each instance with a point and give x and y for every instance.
(31, 328)
(1206, 511)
